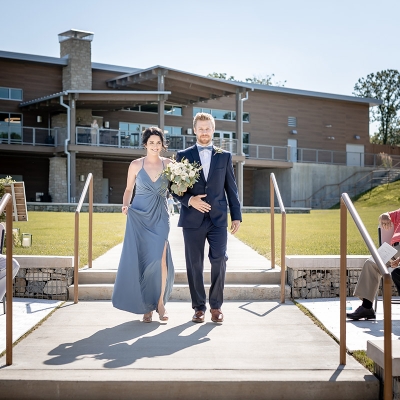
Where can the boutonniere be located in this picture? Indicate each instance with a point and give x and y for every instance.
(217, 150)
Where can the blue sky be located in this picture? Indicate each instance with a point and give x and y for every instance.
(324, 46)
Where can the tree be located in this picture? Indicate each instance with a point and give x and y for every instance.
(221, 75)
(259, 79)
(383, 85)
(265, 80)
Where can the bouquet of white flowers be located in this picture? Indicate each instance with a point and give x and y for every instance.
(182, 174)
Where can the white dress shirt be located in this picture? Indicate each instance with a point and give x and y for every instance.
(205, 158)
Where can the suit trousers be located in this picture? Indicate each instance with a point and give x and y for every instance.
(368, 282)
(194, 253)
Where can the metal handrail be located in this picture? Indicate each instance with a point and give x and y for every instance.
(88, 185)
(6, 204)
(346, 204)
(275, 188)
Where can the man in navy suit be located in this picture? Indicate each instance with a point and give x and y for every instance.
(204, 215)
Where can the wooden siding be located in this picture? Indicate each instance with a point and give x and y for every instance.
(100, 78)
(248, 187)
(269, 114)
(36, 80)
(116, 172)
(34, 171)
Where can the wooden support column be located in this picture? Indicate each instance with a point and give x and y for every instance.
(239, 137)
(161, 101)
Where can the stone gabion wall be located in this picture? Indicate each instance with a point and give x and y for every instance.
(71, 207)
(323, 283)
(43, 283)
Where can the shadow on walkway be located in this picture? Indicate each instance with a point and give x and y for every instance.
(111, 345)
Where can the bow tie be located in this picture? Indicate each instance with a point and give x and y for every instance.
(201, 148)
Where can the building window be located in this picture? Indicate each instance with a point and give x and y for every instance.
(224, 140)
(222, 115)
(292, 121)
(173, 110)
(10, 127)
(153, 108)
(172, 130)
(10, 94)
(132, 132)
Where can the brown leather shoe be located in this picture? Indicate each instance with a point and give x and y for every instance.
(216, 315)
(198, 316)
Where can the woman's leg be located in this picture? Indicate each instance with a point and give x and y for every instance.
(160, 307)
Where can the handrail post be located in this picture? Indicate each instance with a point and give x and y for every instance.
(9, 283)
(387, 338)
(283, 256)
(343, 280)
(345, 202)
(272, 212)
(76, 256)
(90, 253)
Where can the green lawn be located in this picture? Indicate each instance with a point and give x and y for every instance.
(53, 233)
(314, 233)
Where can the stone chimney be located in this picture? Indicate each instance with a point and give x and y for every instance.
(76, 45)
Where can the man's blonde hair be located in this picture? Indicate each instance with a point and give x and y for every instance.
(201, 116)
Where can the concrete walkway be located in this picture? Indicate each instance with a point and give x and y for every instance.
(263, 350)
(240, 255)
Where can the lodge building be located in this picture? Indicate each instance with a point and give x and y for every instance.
(47, 106)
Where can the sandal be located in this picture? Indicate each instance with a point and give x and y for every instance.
(163, 317)
(148, 317)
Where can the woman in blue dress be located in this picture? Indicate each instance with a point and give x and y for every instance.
(145, 273)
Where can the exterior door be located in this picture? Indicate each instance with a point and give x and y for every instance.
(104, 191)
(293, 149)
(224, 140)
(355, 155)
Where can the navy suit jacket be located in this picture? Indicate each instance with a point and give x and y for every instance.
(221, 181)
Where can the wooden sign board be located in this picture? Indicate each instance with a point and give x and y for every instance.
(17, 191)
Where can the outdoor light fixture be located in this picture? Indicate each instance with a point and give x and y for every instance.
(38, 118)
(26, 240)
(106, 124)
(357, 137)
(82, 178)
(331, 137)
(294, 132)
(328, 126)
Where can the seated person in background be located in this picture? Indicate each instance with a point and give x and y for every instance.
(368, 283)
(15, 267)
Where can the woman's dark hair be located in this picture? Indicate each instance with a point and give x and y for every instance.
(153, 130)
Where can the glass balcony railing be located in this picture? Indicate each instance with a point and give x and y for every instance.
(125, 139)
(30, 136)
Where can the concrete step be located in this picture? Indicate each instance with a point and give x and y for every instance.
(103, 291)
(190, 384)
(256, 276)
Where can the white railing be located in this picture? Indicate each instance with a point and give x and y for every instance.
(125, 139)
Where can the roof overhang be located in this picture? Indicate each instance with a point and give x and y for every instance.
(185, 88)
(328, 96)
(107, 100)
